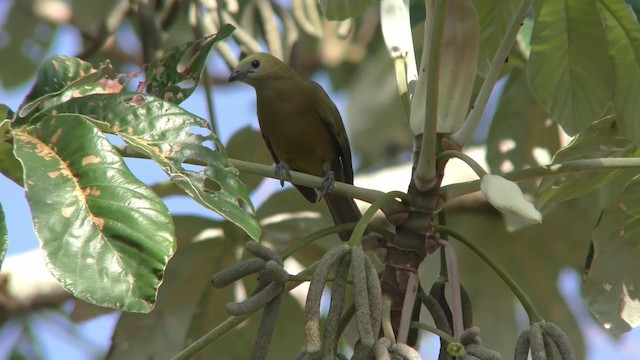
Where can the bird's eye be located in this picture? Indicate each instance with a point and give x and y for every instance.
(255, 64)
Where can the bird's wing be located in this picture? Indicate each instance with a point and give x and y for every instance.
(331, 117)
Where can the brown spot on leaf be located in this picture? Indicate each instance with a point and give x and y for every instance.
(68, 211)
(54, 174)
(99, 222)
(56, 136)
(91, 159)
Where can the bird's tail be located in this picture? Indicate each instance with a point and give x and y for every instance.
(343, 210)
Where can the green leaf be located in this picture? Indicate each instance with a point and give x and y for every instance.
(286, 216)
(9, 164)
(600, 140)
(623, 35)
(106, 236)
(26, 41)
(61, 78)
(171, 136)
(163, 332)
(569, 69)
(612, 280)
(344, 9)
(247, 144)
(494, 17)
(4, 236)
(519, 129)
(165, 74)
(376, 139)
(288, 336)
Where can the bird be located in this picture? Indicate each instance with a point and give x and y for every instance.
(303, 131)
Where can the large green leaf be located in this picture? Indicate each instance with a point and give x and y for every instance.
(600, 140)
(165, 74)
(26, 40)
(623, 35)
(569, 69)
(534, 257)
(61, 78)
(494, 17)
(287, 340)
(162, 333)
(519, 129)
(106, 236)
(373, 137)
(343, 9)
(612, 281)
(247, 144)
(4, 236)
(171, 136)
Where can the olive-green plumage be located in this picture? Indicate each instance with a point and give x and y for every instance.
(302, 129)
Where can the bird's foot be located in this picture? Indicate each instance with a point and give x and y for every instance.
(282, 172)
(327, 183)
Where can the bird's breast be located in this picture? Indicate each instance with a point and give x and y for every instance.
(296, 132)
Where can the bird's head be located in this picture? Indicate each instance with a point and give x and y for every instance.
(259, 67)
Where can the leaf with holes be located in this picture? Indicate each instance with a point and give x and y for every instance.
(106, 236)
(61, 78)
(612, 280)
(600, 140)
(166, 74)
(172, 136)
(569, 69)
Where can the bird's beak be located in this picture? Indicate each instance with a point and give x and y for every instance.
(237, 75)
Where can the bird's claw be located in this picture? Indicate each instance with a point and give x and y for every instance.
(282, 172)
(328, 181)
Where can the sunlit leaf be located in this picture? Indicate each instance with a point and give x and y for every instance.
(623, 35)
(106, 236)
(165, 74)
(61, 78)
(600, 140)
(612, 281)
(171, 136)
(569, 69)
